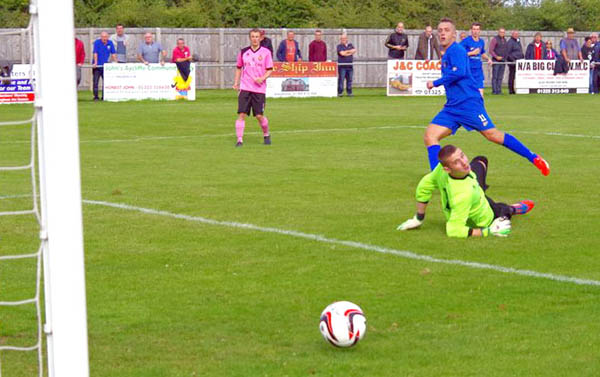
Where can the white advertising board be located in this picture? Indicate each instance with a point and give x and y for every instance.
(19, 89)
(537, 76)
(134, 81)
(409, 77)
(303, 79)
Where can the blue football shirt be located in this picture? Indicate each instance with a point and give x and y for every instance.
(457, 78)
(469, 44)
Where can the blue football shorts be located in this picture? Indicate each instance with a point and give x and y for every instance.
(478, 77)
(472, 118)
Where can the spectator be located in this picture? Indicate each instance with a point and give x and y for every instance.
(551, 54)
(5, 70)
(104, 51)
(475, 48)
(427, 45)
(587, 51)
(515, 52)
(317, 49)
(345, 52)
(121, 42)
(595, 62)
(569, 47)
(182, 58)
(397, 43)
(462, 36)
(266, 41)
(150, 51)
(79, 58)
(536, 50)
(498, 50)
(289, 50)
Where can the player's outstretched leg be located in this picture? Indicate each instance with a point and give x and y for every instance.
(432, 137)
(264, 124)
(512, 143)
(240, 124)
(523, 207)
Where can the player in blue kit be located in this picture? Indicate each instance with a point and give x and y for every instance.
(476, 52)
(464, 105)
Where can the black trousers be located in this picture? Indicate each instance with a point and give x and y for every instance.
(512, 70)
(500, 209)
(98, 73)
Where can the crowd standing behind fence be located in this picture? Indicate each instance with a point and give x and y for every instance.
(219, 47)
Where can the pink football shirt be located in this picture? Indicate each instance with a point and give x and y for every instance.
(254, 64)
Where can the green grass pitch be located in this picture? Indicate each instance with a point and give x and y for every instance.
(172, 297)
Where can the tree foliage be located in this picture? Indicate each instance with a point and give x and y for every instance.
(510, 14)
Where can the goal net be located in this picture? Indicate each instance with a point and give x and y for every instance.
(42, 284)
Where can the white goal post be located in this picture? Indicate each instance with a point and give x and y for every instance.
(60, 188)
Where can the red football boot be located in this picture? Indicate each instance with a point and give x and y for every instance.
(542, 164)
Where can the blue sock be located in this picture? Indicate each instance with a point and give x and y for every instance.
(433, 151)
(516, 146)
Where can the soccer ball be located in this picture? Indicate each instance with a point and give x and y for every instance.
(343, 324)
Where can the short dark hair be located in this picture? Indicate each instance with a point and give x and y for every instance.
(475, 24)
(318, 31)
(255, 30)
(587, 39)
(119, 25)
(180, 39)
(446, 19)
(446, 152)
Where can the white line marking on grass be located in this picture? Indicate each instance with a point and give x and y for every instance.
(318, 130)
(306, 131)
(15, 196)
(555, 134)
(231, 134)
(352, 244)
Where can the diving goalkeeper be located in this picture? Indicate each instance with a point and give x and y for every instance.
(469, 212)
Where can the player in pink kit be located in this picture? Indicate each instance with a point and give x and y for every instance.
(254, 66)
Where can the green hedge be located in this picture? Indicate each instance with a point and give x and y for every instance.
(517, 14)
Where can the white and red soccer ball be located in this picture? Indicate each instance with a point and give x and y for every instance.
(343, 324)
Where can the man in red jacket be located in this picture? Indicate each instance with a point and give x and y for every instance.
(79, 58)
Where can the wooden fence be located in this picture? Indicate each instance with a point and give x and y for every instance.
(217, 49)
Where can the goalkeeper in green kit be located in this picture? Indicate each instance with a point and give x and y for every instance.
(469, 212)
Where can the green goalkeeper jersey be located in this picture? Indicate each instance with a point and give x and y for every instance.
(463, 201)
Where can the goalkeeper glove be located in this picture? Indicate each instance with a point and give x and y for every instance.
(410, 224)
(500, 227)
